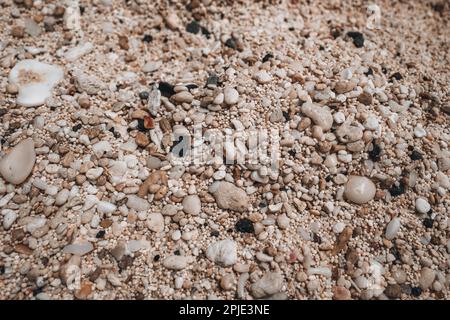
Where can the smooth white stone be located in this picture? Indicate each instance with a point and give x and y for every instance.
(359, 189)
(17, 165)
(392, 228)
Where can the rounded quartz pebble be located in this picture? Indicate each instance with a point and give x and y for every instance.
(17, 165)
(392, 228)
(422, 206)
(359, 189)
(231, 96)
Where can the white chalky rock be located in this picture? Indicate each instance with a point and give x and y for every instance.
(137, 203)
(80, 248)
(94, 173)
(72, 15)
(62, 197)
(35, 81)
(231, 95)
(9, 216)
(392, 228)
(155, 222)
(321, 116)
(101, 147)
(106, 207)
(262, 77)
(176, 262)
(422, 206)
(222, 252)
(269, 284)
(17, 165)
(359, 189)
(228, 196)
(192, 205)
(78, 51)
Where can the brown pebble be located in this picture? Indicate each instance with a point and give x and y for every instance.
(123, 42)
(59, 11)
(95, 274)
(393, 291)
(341, 293)
(84, 102)
(148, 122)
(23, 249)
(142, 139)
(365, 98)
(106, 223)
(84, 291)
(18, 31)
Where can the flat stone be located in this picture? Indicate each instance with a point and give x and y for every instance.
(392, 228)
(228, 196)
(137, 203)
(79, 249)
(17, 165)
(9, 216)
(176, 262)
(77, 52)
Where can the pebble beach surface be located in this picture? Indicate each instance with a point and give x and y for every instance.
(92, 205)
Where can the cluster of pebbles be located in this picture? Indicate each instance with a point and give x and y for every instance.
(92, 207)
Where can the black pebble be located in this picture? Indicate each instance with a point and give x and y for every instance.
(166, 89)
(230, 43)
(358, 38)
(76, 127)
(156, 258)
(428, 223)
(335, 33)
(267, 57)
(193, 27)
(397, 76)
(416, 291)
(215, 233)
(292, 152)
(369, 72)
(100, 234)
(374, 154)
(245, 226)
(206, 32)
(143, 95)
(317, 238)
(397, 190)
(213, 79)
(2, 269)
(141, 126)
(177, 252)
(147, 38)
(416, 155)
(286, 116)
(191, 86)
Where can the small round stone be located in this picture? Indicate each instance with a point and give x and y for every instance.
(422, 206)
(359, 189)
